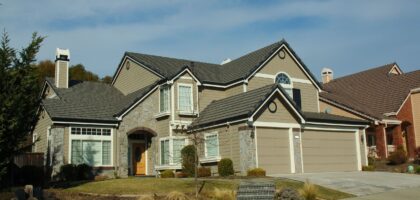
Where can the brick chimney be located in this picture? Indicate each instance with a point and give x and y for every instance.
(62, 59)
(327, 75)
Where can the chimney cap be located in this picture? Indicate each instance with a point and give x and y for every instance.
(62, 54)
(326, 70)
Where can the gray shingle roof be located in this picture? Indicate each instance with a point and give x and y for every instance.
(90, 101)
(243, 105)
(373, 92)
(233, 71)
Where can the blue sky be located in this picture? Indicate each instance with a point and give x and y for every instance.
(347, 36)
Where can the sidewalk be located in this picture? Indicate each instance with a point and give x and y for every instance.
(406, 194)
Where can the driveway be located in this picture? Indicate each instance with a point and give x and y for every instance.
(359, 183)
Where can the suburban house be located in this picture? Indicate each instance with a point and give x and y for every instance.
(260, 110)
(385, 96)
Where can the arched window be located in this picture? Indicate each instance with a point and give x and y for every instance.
(284, 80)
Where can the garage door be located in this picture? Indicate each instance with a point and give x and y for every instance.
(327, 151)
(273, 150)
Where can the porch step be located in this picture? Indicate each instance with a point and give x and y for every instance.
(256, 190)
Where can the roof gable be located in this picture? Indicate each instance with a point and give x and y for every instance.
(373, 92)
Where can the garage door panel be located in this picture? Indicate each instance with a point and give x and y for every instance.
(325, 151)
(273, 150)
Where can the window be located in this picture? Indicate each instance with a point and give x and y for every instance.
(91, 131)
(211, 145)
(185, 98)
(164, 99)
(170, 151)
(389, 136)
(284, 80)
(164, 152)
(371, 139)
(34, 138)
(91, 146)
(178, 145)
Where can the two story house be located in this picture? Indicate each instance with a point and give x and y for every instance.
(260, 110)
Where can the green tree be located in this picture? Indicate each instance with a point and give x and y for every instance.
(45, 68)
(19, 90)
(107, 79)
(78, 72)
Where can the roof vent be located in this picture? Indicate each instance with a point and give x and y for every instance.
(227, 60)
(327, 75)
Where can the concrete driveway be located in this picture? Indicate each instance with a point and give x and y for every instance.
(360, 183)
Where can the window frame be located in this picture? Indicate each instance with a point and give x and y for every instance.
(171, 149)
(287, 87)
(206, 135)
(165, 87)
(191, 97)
(101, 138)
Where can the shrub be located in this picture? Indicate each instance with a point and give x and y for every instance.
(368, 168)
(100, 178)
(32, 175)
(418, 154)
(167, 174)
(188, 160)
(418, 169)
(256, 172)
(175, 195)
(84, 172)
(181, 175)
(225, 167)
(287, 194)
(68, 172)
(399, 156)
(204, 172)
(309, 191)
(371, 160)
(224, 194)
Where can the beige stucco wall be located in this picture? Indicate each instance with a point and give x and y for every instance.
(273, 151)
(136, 77)
(41, 129)
(328, 151)
(281, 115)
(336, 111)
(415, 102)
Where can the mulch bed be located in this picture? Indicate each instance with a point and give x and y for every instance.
(382, 165)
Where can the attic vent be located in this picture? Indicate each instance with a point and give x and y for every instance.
(127, 65)
(227, 60)
(282, 54)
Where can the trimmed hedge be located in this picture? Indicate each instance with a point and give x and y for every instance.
(167, 174)
(397, 157)
(32, 175)
(225, 167)
(204, 172)
(418, 169)
(71, 172)
(188, 160)
(257, 172)
(368, 168)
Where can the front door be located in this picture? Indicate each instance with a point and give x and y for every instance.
(139, 159)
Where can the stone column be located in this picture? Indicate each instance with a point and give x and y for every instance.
(246, 149)
(380, 141)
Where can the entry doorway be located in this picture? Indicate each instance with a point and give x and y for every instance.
(138, 158)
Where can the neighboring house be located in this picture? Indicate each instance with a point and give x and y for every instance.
(385, 96)
(260, 110)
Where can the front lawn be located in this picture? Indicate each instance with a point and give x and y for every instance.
(161, 187)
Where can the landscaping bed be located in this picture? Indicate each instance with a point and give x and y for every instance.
(133, 188)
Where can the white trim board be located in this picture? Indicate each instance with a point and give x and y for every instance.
(276, 124)
(84, 123)
(269, 76)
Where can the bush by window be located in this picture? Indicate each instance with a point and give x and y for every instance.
(225, 167)
(397, 157)
(258, 172)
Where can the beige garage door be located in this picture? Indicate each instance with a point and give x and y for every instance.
(273, 150)
(327, 151)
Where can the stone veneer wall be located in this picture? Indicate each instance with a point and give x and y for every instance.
(246, 149)
(57, 151)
